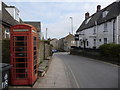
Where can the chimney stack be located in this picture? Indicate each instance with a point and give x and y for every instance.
(98, 8)
(87, 15)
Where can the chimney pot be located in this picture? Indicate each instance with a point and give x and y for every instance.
(98, 8)
(86, 15)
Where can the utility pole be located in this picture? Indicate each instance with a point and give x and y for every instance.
(46, 33)
(71, 24)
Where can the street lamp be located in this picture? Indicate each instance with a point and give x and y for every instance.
(71, 24)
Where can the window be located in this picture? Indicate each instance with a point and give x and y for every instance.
(94, 42)
(7, 30)
(94, 30)
(7, 33)
(104, 14)
(114, 31)
(105, 40)
(86, 22)
(99, 40)
(87, 43)
(105, 27)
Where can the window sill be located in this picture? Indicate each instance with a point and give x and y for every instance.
(105, 31)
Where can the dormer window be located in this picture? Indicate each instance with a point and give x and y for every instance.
(86, 22)
(104, 14)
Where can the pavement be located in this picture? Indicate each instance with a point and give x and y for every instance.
(55, 77)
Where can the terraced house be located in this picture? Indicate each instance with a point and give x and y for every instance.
(102, 27)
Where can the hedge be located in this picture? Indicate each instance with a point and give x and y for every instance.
(6, 51)
(110, 50)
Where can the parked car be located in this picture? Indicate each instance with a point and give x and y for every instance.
(54, 51)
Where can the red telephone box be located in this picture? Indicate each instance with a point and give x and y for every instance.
(24, 58)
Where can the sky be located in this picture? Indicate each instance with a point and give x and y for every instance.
(55, 14)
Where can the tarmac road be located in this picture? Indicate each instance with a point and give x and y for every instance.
(89, 73)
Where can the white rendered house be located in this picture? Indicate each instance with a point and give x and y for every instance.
(102, 27)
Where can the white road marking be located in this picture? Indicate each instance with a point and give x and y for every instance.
(73, 76)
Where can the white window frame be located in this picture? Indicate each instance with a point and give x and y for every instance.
(105, 40)
(105, 27)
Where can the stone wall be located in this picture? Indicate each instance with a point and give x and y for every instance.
(44, 50)
(40, 51)
(48, 50)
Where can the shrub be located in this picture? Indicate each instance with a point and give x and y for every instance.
(6, 51)
(110, 50)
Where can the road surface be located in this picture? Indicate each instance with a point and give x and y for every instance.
(89, 73)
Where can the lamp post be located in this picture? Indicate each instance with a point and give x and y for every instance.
(71, 24)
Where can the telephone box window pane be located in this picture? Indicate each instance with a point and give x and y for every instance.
(20, 70)
(35, 57)
(21, 76)
(34, 48)
(20, 38)
(21, 59)
(21, 64)
(35, 69)
(34, 41)
(35, 53)
(35, 62)
(20, 44)
(20, 55)
(20, 49)
(34, 38)
(35, 72)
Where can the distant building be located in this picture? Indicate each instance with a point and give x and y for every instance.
(69, 41)
(61, 44)
(54, 43)
(65, 43)
(37, 25)
(10, 17)
(102, 27)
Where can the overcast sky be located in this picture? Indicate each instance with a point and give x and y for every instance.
(54, 14)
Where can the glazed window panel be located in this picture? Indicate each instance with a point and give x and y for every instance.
(21, 76)
(21, 65)
(20, 54)
(20, 38)
(20, 49)
(21, 60)
(35, 54)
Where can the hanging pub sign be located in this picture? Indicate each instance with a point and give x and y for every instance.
(76, 37)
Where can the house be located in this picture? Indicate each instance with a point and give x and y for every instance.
(69, 41)
(61, 44)
(54, 43)
(36, 25)
(65, 43)
(10, 17)
(102, 27)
